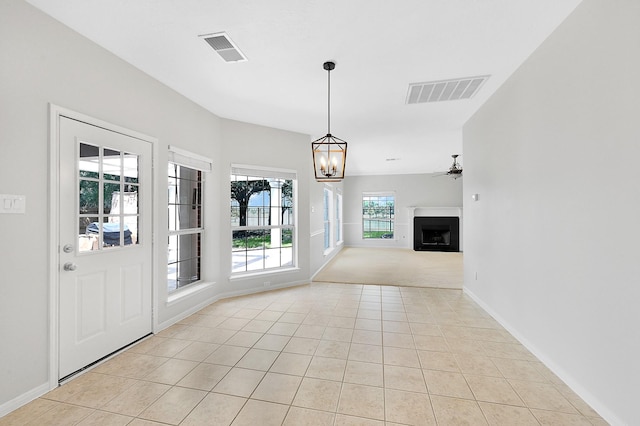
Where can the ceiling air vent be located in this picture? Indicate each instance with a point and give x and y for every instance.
(221, 43)
(445, 90)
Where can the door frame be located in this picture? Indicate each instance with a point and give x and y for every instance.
(55, 112)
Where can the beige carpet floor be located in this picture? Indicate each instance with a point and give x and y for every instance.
(402, 267)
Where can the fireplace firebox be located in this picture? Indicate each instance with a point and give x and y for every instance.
(431, 233)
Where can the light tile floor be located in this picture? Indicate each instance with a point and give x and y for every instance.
(321, 354)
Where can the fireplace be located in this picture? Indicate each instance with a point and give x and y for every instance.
(431, 233)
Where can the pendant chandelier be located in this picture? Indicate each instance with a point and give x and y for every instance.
(329, 152)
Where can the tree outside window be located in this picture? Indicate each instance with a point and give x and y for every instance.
(262, 220)
(378, 216)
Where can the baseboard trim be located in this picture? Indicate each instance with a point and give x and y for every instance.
(182, 315)
(256, 290)
(173, 320)
(567, 378)
(328, 259)
(23, 399)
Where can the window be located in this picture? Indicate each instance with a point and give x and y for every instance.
(338, 218)
(326, 215)
(185, 216)
(108, 198)
(262, 219)
(378, 215)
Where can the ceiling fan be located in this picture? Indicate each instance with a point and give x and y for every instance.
(455, 171)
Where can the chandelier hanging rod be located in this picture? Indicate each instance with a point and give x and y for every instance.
(329, 66)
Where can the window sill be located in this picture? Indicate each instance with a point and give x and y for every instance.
(248, 275)
(190, 290)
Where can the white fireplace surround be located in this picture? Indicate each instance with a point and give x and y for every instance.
(436, 212)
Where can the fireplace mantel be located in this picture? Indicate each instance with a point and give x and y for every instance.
(435, 211)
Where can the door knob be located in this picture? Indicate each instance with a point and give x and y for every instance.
(69, 266)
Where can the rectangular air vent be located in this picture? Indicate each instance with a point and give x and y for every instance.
(445, 90)
(221, 43)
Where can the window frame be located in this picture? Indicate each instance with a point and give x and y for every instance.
(328, 219)
(267, 173)
(202, 166)
(391, 217)
(98, 172)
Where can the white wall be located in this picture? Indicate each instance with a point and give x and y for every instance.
(554, 235)
(259, 146)
(417, 190)
(45, 62)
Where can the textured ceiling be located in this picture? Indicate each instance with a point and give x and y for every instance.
(379, 47)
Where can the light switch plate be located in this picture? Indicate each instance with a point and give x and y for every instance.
(13, 204)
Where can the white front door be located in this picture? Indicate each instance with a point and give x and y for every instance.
(105, 243)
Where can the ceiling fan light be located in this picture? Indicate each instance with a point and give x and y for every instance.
(455, 171)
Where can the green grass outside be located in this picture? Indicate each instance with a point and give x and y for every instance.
(257, 241)
(377, 234)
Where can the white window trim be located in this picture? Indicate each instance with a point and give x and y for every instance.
(330, 219)
(189, 159)
(276, 173)
(193, 288)
(378, 194)
(269, 172)
(194, 161)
